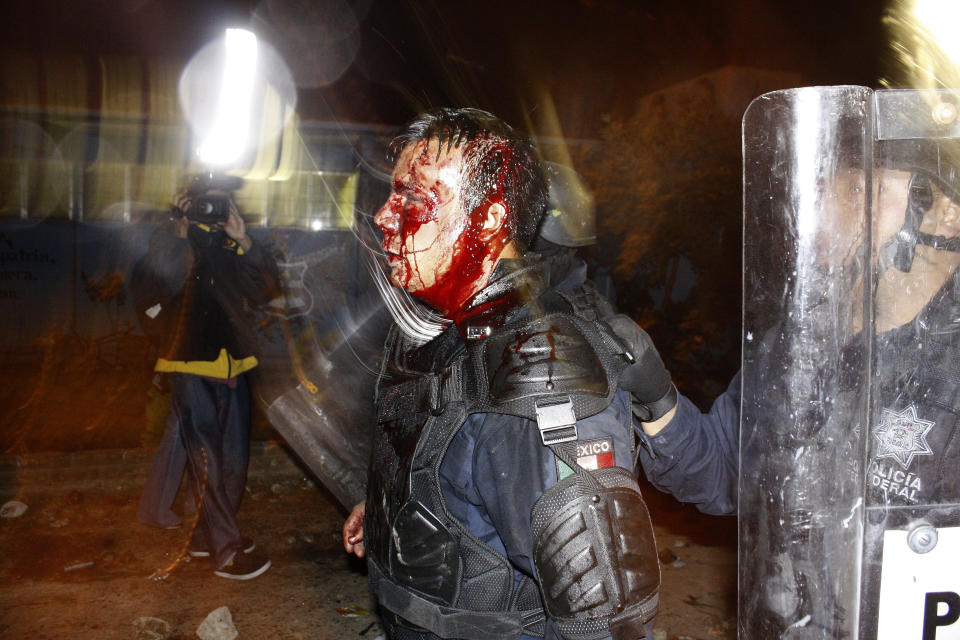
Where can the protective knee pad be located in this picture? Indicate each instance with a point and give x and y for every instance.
(595, 556)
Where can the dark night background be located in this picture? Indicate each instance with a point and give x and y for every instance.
(646, 95)
(595, 56)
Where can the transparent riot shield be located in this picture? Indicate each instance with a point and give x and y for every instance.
(849, 480)
(806, 161)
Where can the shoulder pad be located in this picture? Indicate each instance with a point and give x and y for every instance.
(552, 355)
(547, 355)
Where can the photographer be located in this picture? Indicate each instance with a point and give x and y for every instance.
(193, 289)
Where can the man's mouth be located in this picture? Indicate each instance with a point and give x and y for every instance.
(396, 264)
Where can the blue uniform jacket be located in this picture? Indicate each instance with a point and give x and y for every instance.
(497, 467)
(695, 458)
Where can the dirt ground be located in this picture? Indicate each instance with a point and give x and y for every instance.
(77, 564)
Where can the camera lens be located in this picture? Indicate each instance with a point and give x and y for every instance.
(205, 207)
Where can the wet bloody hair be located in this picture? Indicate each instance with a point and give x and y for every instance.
(500, 164)
(496, 166)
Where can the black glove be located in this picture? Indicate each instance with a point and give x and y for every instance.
(646, 379)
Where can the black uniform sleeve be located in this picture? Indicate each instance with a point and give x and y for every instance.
(695, 457)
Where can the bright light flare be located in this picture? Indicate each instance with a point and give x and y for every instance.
(808, 128)
(228, 139)
(923, 38)
(940, 18)
(237, 94)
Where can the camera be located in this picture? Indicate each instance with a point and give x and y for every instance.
(210, 208)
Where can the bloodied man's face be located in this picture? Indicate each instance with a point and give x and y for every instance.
(434, 249)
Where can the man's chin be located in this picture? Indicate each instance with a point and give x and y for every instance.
(398, 275)
(403, 277)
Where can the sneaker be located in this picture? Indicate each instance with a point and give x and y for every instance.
(158, 525)
(244, 566)
(200, 549)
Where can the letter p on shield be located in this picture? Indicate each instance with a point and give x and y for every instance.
(931, 616)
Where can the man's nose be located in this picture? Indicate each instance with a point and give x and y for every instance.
(386, 220)
(389, 224)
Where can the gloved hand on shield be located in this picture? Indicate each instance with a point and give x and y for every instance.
(647, 379)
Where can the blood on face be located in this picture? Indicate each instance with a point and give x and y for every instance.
(436, 250)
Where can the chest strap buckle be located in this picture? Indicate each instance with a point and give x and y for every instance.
(556, 420)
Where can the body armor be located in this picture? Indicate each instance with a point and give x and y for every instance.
(529, 352)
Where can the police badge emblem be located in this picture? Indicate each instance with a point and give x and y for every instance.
(903, 435)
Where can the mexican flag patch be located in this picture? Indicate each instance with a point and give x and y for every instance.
(590, 454)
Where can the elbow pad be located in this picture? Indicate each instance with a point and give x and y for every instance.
(595, 556)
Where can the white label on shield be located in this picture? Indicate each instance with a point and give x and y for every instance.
(920, 592)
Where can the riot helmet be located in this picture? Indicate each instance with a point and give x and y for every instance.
(570, 220)
(931, 163)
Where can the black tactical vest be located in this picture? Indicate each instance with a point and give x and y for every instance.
(425, 566)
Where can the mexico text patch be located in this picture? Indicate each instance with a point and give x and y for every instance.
(590, 454)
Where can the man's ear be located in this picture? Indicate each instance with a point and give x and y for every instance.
(951, 213)
(494, 219)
